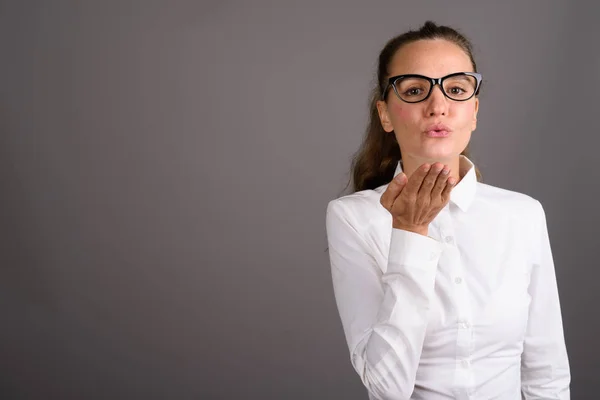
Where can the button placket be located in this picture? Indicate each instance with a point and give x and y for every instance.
(464, 331)
(464, 338)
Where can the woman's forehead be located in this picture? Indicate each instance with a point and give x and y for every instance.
(433, 58)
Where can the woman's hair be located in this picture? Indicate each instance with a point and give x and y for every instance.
(375, 161)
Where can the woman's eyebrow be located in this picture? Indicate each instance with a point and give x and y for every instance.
(463, 77)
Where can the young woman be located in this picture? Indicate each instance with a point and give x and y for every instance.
(445, 285)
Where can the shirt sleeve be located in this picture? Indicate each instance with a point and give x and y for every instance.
(545, 372)
(384, 315)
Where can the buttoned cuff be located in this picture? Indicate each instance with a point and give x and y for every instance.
(413, 250)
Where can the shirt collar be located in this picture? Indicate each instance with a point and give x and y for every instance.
(464, 192)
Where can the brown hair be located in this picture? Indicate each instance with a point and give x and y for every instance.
(375, 161)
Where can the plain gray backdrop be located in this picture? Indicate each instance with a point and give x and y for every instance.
(165, 168)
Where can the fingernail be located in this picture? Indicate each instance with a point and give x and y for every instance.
(445, 171)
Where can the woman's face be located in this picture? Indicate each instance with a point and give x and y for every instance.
(410, 121)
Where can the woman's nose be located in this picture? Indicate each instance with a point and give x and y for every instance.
(437, 102)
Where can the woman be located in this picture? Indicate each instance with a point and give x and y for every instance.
(445, 286)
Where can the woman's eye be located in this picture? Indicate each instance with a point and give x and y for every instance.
(456, 90)
(413, 92)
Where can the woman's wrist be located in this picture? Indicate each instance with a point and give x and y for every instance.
(416, 229)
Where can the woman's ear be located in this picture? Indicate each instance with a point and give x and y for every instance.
(474, 124)
(384, 116)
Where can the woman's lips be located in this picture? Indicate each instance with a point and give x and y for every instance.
(438, 130)
(437, 134)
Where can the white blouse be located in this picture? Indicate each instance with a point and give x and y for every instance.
(470, 311)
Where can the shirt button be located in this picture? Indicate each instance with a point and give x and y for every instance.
(464, 325)
(449, 239)
(432, 256)
(458, 280)
(465, 363)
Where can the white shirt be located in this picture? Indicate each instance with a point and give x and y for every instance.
(470, 311)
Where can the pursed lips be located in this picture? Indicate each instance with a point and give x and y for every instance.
(438, 130)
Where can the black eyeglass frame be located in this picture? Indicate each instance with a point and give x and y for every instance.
(434, 81)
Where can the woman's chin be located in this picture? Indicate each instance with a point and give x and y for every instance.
(438, 154)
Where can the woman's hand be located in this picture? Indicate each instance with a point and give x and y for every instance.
(415, 202)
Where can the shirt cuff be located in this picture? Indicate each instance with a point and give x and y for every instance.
(410, 249)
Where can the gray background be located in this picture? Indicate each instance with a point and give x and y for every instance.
(165, 168)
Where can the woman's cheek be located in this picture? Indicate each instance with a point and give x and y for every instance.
(400, 111)
(467, 116)
(402, 119)
(401, 116)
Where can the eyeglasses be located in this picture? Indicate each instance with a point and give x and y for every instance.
(412, 88)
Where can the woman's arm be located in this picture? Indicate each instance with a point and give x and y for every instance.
(545, 372)
(384, 316)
